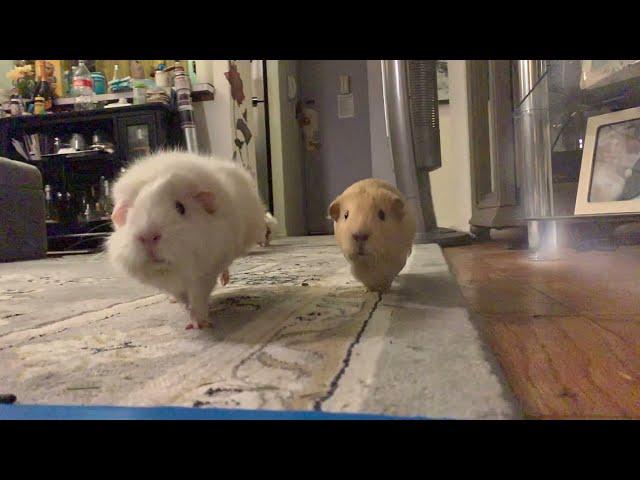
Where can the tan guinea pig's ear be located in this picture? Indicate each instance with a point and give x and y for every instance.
(334, 210)
(397, 208)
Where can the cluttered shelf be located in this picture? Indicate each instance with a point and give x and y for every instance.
(79, 115)
(83, 132)
(200, 92)
(94, 135)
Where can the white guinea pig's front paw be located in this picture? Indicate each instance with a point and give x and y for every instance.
(182, 299)
(198, 326)
(198, 322)
(199, 315)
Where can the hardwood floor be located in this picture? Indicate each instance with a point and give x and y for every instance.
(566, 332)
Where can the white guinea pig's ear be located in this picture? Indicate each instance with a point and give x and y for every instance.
(207, 200)
(397, 208)
(334, 210)
(119, 215)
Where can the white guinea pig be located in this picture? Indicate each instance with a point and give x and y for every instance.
(375, 230)
(180, 220)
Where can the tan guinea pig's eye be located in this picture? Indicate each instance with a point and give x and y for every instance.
(381, 215)
(346, 214)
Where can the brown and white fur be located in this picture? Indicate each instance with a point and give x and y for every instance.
(374, 228)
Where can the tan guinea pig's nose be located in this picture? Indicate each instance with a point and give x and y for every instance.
(360, 237)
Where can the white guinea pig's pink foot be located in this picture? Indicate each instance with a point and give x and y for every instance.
(198, 321)
(198, 326)
(224, 278)
(179, 299)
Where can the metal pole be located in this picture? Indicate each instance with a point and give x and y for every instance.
(533, 150)
(399, 129)
(185, 109)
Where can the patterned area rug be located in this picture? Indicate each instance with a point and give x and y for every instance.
(292, 331)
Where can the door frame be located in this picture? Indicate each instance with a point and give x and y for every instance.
(267, 133)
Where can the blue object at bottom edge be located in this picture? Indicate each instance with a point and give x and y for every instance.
(59, 412)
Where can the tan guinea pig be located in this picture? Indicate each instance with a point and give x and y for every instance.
(374, 228)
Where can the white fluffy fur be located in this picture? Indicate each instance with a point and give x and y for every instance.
(197, 247)
(270, 222)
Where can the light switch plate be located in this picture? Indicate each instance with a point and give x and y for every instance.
(346, 107)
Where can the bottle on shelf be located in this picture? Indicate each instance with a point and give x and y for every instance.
(108, 206)
(83, 215)
(104, 199)
(49, 203)
(43, 88)
(39, 106)
(88, 212)
(82, 87)
(116, 72)
(60, 206)
(113, 84)
(16, 105)
(67, 82)
(139, 94)
(137, 70)
(94, 203)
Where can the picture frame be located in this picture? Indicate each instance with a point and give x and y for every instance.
(601, 73)
(442, 69)
(609, 181)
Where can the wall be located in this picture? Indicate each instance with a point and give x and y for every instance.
(450, 184)
(214, 118)
(344, 156)
(5, 66)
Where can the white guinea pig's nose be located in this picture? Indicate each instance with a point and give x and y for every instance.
(361, 237)
(150, 238)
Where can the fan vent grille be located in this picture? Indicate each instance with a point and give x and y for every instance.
(423, 109)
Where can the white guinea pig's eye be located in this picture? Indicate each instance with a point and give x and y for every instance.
(381, 215)
(346, 214)
(180, 208)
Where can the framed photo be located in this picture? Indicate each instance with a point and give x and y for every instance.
(610, 172)
(443, 81)
(600, 73)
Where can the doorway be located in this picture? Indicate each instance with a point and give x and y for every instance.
(260, 105)
(343, 153)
